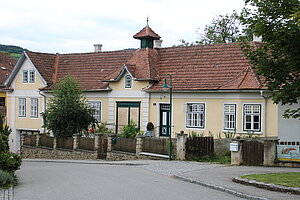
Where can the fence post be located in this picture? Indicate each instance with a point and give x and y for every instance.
(22, 139)
(38, 139)
(76, 141)
(181, 140)
(269, 152)
(55, 143)
(98, 137)
(110, 138)
(237, 154)
(139, 144)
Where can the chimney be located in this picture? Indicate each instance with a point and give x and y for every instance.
(98, 47)
(157, 43)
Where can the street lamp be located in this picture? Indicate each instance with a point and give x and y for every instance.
(166, 87)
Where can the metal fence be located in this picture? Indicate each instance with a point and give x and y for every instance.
(156, 145)
(125, 144)
(86, 143)
(7, 194)
(65, 142)
(30, 140)
(46, 141)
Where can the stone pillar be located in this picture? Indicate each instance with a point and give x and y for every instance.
(55, 143)
(76, 141)
(270, 152)
(110, 139)
(236, 154)
(98, 137)
(38, 139)
(139, 144)
(22, 139)
(181, 140)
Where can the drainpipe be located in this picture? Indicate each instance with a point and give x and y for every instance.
(45, 103)
(265, 112)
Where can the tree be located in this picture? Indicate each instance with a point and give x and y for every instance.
(277, 58)
(224, 29)
(67, 112)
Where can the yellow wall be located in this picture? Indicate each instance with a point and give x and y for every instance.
(214, 109)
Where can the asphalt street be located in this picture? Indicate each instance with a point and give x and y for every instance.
(83, 181)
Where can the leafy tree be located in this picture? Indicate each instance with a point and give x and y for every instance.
(277, 57)
(224, 29)
(67, 112)
(4, 134)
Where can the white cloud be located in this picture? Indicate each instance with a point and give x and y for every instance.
(74, 26)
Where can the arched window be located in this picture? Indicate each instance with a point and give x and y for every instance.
(128, 81)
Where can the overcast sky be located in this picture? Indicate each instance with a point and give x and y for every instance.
(67, 26)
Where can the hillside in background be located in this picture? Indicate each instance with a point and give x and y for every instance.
(11, 50)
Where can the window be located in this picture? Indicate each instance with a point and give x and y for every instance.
(96, 106)
(229, 116)
(252, 117)
(34, 107)
(28, 76)
(25, 76)
(195, 115)
(128, 81)
(2, 101)
(31, 76)
(22, 107)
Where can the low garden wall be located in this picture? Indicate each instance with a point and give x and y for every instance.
(45, 153)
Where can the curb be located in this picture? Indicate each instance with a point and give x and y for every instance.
(268, 186)
(84, 162)
(219, 188)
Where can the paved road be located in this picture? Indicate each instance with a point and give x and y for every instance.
(71, 181)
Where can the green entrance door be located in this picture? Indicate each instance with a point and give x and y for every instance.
(164, 124)
(126, 112)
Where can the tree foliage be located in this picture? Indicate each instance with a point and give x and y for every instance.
(224, 29)
(67, 112)
(277, 58)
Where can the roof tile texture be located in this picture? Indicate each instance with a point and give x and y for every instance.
(203, 67)
(6, 65)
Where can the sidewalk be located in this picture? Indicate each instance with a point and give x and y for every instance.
(220, 178)
(214, 176)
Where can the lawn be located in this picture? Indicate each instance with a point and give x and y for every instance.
(290, 179)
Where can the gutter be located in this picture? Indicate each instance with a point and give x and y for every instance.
(45, 104)
(206, 91)
(265, 112)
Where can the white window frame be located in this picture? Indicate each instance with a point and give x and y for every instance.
(25, 76)
(252, 113)
(97, 109)
(194, 118)
(128, 81)
(31, 76)
(34, 103)
(22, 107)
(231, 112)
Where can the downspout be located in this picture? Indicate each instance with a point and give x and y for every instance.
(45, 103)
(265, 113)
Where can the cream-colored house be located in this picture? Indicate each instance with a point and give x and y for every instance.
(214, 89)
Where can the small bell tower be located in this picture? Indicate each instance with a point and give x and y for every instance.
(147, 36)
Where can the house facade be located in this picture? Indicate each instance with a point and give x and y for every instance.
(215, 90)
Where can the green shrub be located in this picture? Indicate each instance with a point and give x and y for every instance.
(4, 133)
(130, 130)
(10, 162)
(7, 180)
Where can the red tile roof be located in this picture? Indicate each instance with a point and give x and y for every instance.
(146, 32)
(6, 65)
(203, 67)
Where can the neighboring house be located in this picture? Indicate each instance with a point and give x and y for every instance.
(215, 90)
(6, 65)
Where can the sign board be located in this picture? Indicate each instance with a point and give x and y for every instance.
(234, 146)
(288, 153)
